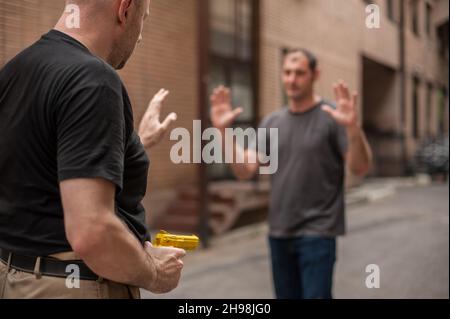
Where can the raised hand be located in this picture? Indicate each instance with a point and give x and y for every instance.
(151, 130)
(222, 113)
(346, 112)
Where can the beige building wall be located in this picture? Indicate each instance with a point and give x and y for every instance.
(167, 58)
(336, 32)
(291, 23)
(424, 61)
(23, 22)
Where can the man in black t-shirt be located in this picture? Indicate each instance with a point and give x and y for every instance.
(73, 171)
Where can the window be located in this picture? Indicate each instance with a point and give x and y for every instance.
(392, 6)
(442, 111)
(442, 34)
(429, 108)
(415, 108)
(415, 16)
(232, 60)
(428, 20)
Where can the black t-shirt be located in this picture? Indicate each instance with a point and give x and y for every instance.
(64, 114)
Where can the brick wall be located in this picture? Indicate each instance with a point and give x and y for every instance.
(336, 32)
(167, 58)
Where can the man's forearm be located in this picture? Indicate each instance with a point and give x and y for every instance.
(115, 254)
(359, 155)
(249, 167)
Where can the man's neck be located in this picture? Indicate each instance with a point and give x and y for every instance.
(94, 43)
(302, 105)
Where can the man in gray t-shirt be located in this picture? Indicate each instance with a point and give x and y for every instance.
(307, 196)
(316, 140)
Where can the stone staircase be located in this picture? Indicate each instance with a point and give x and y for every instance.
(227, 202)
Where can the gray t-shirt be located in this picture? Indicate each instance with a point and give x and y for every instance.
(307, 196)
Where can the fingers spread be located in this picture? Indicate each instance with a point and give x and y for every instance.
(160, 97)
(221, 95)
(156, 103)
(213, 98)
(227, 96)
(171, 118)
(164, 94)
(342, 91)
(355, 97)
(216, 96)
(238, 111)
(345, 91)
(337, 92)
(160, 92)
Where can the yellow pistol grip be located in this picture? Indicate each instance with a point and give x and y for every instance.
(164, 239)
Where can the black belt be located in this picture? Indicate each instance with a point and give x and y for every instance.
(48, 266)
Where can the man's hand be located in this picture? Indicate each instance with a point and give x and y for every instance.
(346, 113)
(359, 154)
(222, 113)
(151, 130)
(168, 265)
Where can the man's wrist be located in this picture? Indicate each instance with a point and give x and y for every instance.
(152, 276)
(146, 142)
(353, 130)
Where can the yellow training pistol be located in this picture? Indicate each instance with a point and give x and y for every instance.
(164, 239)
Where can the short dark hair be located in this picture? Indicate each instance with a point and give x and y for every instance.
(309, 55)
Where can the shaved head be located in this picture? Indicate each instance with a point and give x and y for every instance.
(93, 7)
(99, 3)
(86, 1)
(110, 28)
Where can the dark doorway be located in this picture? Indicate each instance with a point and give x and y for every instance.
(381, 117)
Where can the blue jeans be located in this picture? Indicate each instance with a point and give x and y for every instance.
(303, 267)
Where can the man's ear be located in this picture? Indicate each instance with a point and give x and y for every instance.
(123, 10)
